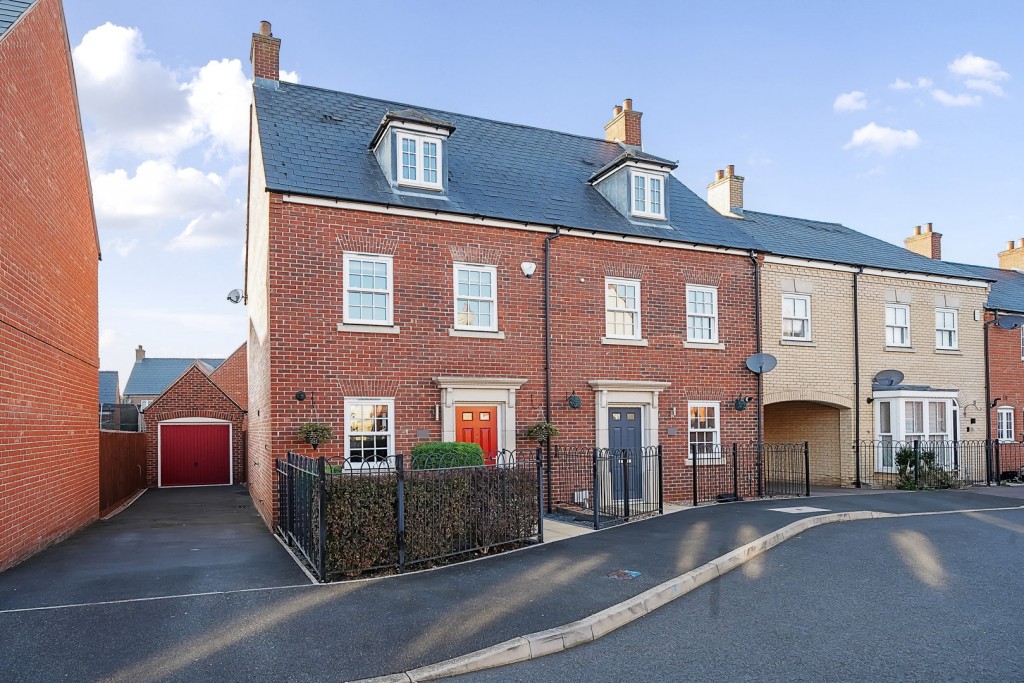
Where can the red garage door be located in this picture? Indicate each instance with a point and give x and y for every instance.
(195, 454)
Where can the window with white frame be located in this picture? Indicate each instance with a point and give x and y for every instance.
(796, 317)
(476, 297)
(1005, 424)
(419, 161)
(701, 314)
(648, 195)
(369, 432)
(897, 325)
(901, 421)
(368, 289)
(946, 333)
(705, 431)
(622, 308)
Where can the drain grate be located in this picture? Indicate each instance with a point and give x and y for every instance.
(624, 574)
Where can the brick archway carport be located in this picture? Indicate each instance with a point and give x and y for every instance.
(822, 419)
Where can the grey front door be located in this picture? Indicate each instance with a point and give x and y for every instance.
(625, 439)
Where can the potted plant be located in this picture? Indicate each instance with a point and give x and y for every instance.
(315, 433)
(541, 432)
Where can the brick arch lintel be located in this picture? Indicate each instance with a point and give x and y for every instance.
(811, 396)
(209, 414)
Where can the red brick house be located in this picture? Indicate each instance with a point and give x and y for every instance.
(401, 262)
(196, 427)
(49, 253)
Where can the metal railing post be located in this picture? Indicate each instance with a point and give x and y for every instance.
(290, 488)
(321, 475)
(988, 462)
(807, 469)
(597, 492)
(735, 472)
(400, 504)
(540, 493)
(917, 463)
(998, 474)
(625, 459)
(693, 466)
(661, 481)
(760, 469)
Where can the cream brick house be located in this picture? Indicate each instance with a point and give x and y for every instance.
(839, 307)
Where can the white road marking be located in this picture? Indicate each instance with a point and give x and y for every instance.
(798, 510)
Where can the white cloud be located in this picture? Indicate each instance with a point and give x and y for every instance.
(289, 76)
(961, 100)
(851, 101)
(987, 86)
(873, 138)
(123, 247)
(107, 339)
(900, 84)
(971, 65)
(158, 191)
(759, 159)
(923, 82)
(138, 105)
(214, 229)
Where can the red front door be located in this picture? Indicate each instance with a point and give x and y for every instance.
(479, 425)
(195, 454)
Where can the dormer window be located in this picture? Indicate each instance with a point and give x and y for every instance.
(647, 195)
(420, 161)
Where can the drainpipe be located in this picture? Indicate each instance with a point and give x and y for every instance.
(988, 382)
(760, 376)
(856, 379)
(547, 346)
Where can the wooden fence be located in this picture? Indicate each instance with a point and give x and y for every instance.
(122, 467)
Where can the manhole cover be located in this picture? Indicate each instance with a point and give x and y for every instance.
(798, 510)
(623, 575)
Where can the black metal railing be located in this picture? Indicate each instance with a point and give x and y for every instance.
(925, 464)
(729, 472)
(786, 469)
(607, 485)
(1007, 461)
(346, 516)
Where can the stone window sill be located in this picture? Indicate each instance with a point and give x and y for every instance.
(949, 352)
(797, 342)
(704, 345)
(476, 334)
(624, 342)
(901, 349)
(371, 329)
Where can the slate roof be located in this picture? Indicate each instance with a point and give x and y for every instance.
(1007, 291)
(11, 11)
(315, 142)
(153, 375)
(108, 386)
(836, 243)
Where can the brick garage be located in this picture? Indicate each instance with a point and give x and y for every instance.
(194, 400)
(48, 301)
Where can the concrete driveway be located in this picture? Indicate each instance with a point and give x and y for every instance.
(168, 542)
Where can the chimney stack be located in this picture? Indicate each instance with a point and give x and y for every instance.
(1013, 257)
(140, 353)
(265, 55)
(625, 125)
(725, 194)
(925, 242)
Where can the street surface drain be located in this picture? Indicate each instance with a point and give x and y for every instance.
(623, 575)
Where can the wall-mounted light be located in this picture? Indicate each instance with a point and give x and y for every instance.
(995, 401)
(437, 411)
(741, 402)
(871, 399)
(574, 401)
(529, 268)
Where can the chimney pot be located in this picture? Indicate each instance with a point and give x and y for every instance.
(1009, 245)
(928, 227)
(265, 28)
(140, 353)
(719, 174)
(917, 229)
(730, 170)
(627, 104)
(616, 110)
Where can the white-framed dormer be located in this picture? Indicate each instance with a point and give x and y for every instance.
(637, 185)
(411, 148)
(647, 194)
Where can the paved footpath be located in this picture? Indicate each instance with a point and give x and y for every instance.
(369, 628)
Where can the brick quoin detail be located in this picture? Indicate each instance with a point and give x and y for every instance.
(305, 351)
(49, 436)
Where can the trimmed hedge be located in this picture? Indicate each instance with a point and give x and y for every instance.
(443, 454)
(446, 512)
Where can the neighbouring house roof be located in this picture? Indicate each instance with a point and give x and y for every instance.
(315, 142)
(151, 376)
(11, 11)
(109, 387)
(202, 367)
(836, 243)
(1007, 289)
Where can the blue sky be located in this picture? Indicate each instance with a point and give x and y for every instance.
(879, 115)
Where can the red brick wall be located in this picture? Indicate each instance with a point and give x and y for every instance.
(260, 457)
(49, 436)
(1006, 375)
(308, 353)
(232, 377)
(194, 395)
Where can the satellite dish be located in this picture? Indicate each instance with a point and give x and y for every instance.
(889, 378)
(1010, 322)
(235, 295)
(760, 363)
